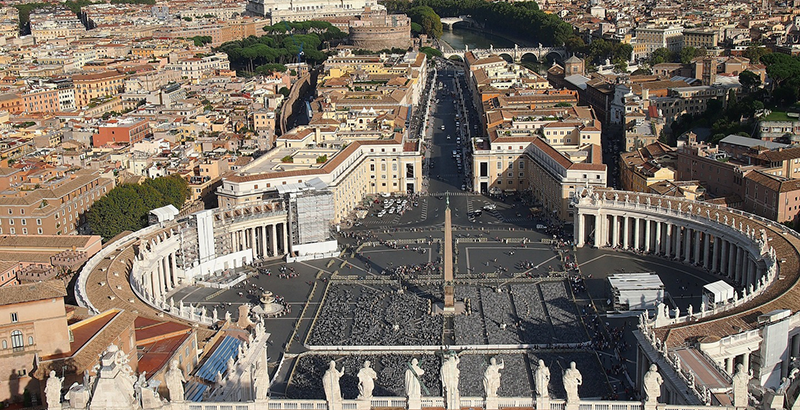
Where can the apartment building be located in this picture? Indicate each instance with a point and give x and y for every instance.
(701, 38)
(41, 100)
(121, 131)
(201, 67)
(33, 323)
(670, 37)
(54, 204)
(91, 86)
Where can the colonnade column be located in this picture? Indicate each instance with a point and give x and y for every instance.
(626, 232)
(676, 230)
(687, 245)
(614, 231)
(580, 236)
(658, 238)
(174, 265)
(707, 251)
(739, 264)
(253, 242)
(697, 239)
(715, 258)
(723, 260)
(731, 273)
(636, 239)
(648, 240)
(751, 271)
(669, 240)
(287, 239)
(273, 237)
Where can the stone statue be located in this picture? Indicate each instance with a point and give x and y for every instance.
(651, 384)
(77, 396)
(740, 381)
(413, 382)
(330, 383)
(52, 390)
(542, 380)
(491, 377)
(572, 379)
(366, 381)
(691, 310)
(449, 374)
(175, 380)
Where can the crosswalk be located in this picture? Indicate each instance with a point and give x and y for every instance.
(455, 193)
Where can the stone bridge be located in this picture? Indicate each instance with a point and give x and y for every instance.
(450, 21)
(515, 53)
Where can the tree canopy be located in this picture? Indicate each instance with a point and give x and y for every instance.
(126, 206)
(282, 44)
(427, 19)
(522, 19)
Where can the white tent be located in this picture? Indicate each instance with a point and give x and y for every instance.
(635, 291)
(716, 293)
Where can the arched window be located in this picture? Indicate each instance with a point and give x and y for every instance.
(30, 340)
(5, 344)
(17, 342)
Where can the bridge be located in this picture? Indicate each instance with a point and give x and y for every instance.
(450, 21)
(516, 54)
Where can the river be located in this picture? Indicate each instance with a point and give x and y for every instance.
(459, 38)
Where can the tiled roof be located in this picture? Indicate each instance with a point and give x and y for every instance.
(32, 292)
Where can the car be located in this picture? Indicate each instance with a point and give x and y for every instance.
(490, 207)
(463, 187)
(442, 127)
(448, 137)
(455, 153)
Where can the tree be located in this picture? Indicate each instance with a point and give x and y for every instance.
(126, 206)
(754, 53)
(661, 55)
(416, 28)
(430, 22)
(431, 52)
(689, 53)
(749, 80)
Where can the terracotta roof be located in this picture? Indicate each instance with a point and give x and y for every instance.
(779, 155)
(32, 292)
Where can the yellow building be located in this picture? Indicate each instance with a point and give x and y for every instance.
(90, 86)
(646, 166)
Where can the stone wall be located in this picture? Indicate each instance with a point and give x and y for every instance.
(378, 38)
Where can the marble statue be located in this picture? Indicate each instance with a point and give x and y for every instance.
(175, 380)
(449, 374)
(651, 384)
(330, 383)
(739, 383)
(542, 380)
(413, 382)
(691, 310)
(572, 380)
(52, 390)
(491, 377)
(77, 396)
(366, 381)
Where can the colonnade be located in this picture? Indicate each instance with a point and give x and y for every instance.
(163, 278)
(264, 240)
(723, 254)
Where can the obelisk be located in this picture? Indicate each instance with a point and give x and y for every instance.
(449, 291)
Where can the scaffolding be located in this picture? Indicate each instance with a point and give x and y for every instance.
(313, 216)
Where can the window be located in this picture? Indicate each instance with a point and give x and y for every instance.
(14, 317)
(24, 222)
(30, 340)
(5, 344)
(38, 221)
(38, 231)
(17, 342)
